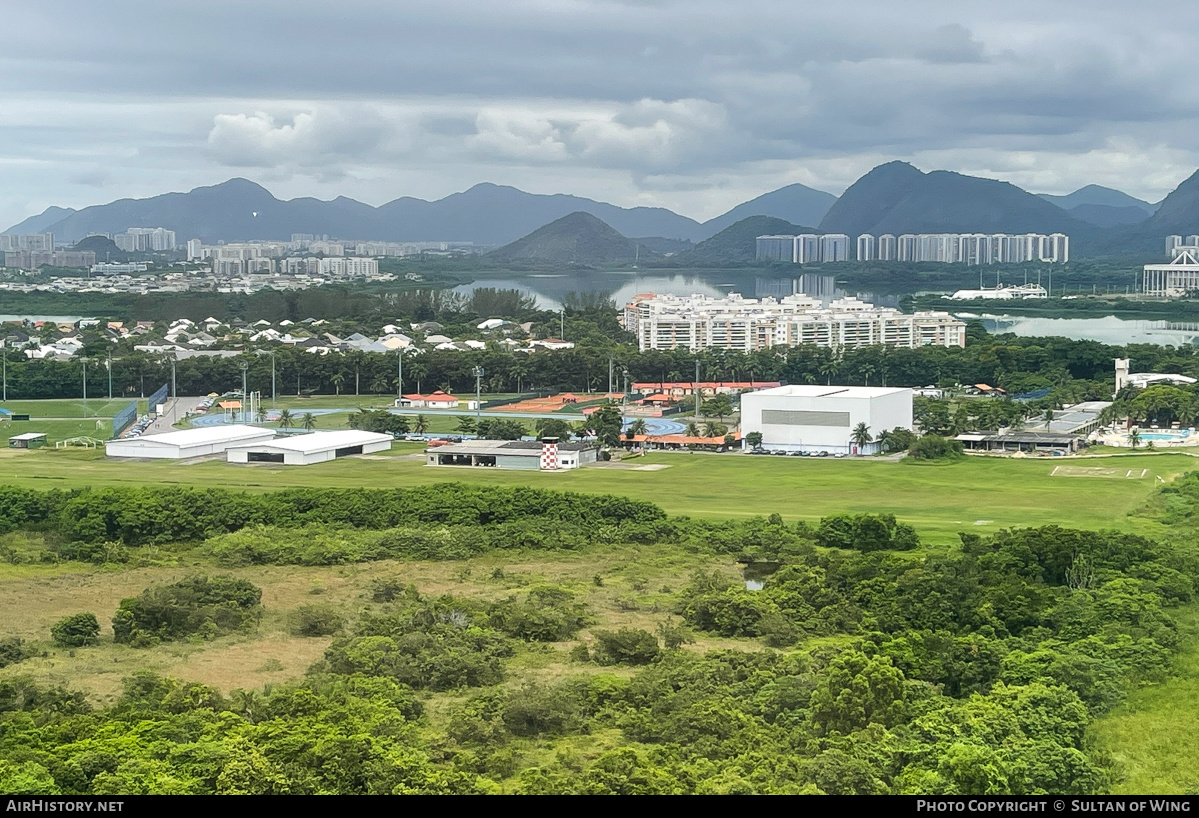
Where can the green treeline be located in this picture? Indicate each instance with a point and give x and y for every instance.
(1074, 370)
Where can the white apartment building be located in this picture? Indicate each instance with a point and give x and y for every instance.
(145, 239)
(349, 267)
(834, 247)
(697, 322)
(30, 242)
(866, 248)
(969, 248)
(327, 248)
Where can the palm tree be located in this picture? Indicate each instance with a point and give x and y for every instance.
(884, 440)
(829, 368)
(308, 421)
(420, 425)
(260, 415)
(861, 435)
(286, 419)
(637, 427)
(338, 380)
(1134, 438)
(693, 430)
(867, 370)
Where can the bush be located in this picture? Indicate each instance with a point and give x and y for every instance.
(627, 646)
(193, 606)
(935, 447)
(76, 630)
(315, 620)
(866, 532)
(548, 614)
(12, 650)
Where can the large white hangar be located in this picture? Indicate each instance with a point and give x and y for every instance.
(304, 450)
(808, 418)
(187, 442)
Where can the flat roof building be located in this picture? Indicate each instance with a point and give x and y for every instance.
(187, 442)
(304, 450)
(809, 418)
(511, 454)
(28, 440)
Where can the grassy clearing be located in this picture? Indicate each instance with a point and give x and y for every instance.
(977, 494)
(69, 407)
(1154, 736)
(56, 430)
(635, 590)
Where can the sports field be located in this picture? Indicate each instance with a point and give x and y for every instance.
(977, 494)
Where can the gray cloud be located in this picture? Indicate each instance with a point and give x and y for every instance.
(695, 106)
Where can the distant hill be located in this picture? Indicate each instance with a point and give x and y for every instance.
(104, 248)
(897, 198)
(738, 242)
(1108, 216)
(797, 203)
(577, 238)
(664, 246)
(1178, 213)
(39, 223)
(239, 209)
(1101, 196)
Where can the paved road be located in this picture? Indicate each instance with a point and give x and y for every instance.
(175, 410)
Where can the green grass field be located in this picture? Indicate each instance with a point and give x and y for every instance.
(70, 407)
(978, 495)
(1154, 736)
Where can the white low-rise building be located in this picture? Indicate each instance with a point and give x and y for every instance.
(809, 418)
(304, 450)
(187, 442)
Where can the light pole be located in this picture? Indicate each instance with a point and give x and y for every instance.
(478, 373)
(110, 374)
(695, 389)
(84, 362)
(4, 352)
(174, 391)
(272, 379)
(245, 366)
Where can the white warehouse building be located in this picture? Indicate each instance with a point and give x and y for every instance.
(304, 450)
(187, 442)
(811, 418)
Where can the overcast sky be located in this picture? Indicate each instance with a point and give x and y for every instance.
(695, 105)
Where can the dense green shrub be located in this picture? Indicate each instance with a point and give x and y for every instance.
(197, 605)
(935, 447)
(546, 614)
(76, 630)
(866, 532)
(316, 620)
(627, 646)
(12, 650)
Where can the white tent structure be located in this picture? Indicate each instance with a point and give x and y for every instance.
(304, 450)
(187, 442)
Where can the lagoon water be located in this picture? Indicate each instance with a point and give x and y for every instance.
(1108, 329)
(622, 285)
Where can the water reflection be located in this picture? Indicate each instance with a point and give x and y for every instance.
(623, 285)
(822, 288)
(1108, 329)
(550, 288)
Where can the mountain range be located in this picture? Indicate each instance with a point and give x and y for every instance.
(486, 214)
(892, 198)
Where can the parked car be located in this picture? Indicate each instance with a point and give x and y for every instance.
(823, 454)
